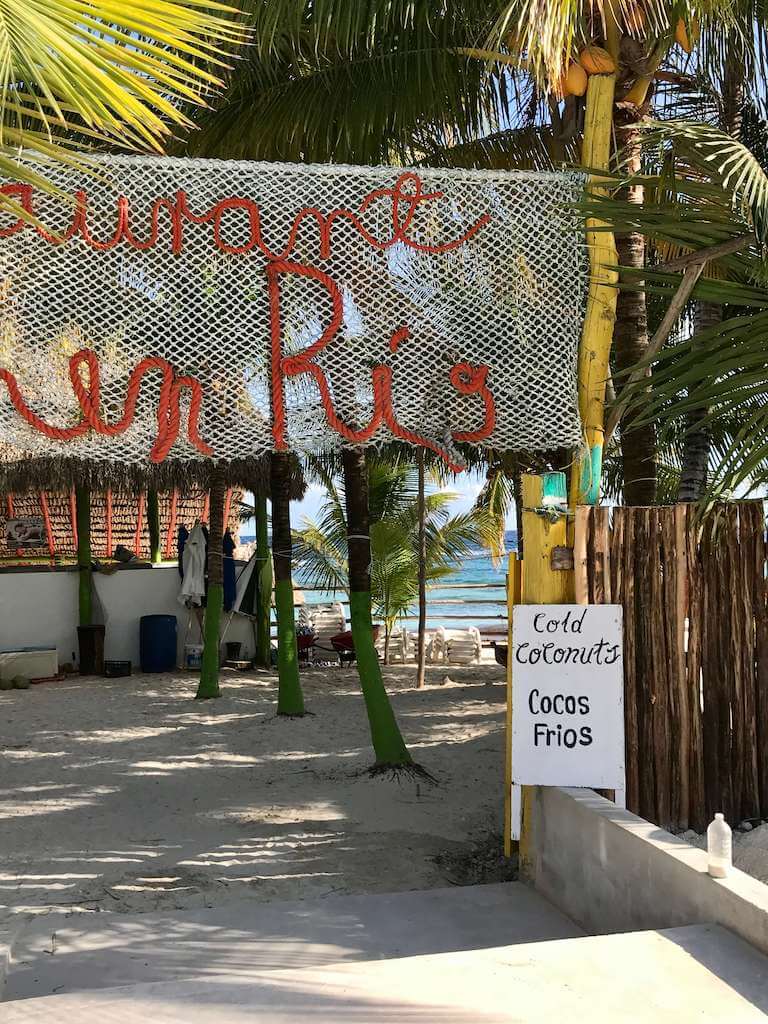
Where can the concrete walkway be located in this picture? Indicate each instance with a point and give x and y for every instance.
(58, 953)
(702, 973)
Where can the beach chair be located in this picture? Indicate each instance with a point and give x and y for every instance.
(455, 646)
(326, 621)
(400, 645)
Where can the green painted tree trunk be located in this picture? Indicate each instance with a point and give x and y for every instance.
(153, 522)
(264, 569)
(388, 744)
(209, 671)
(290, 700)
(85, 577)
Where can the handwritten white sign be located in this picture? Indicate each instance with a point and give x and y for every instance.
(568, 696)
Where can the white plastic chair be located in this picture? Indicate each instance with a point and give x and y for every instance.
(455, 646)
(400, 645)
(326, 621)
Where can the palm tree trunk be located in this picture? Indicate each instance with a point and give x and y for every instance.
(290, 700)
(697, 443)
(153, 522)
(387, 635)
(264, 569)
(421, 647)
(209, 671)
(638, 443)
(388, 744)
(517, 492)
(85, 576)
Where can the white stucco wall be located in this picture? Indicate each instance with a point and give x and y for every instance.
(40, 609)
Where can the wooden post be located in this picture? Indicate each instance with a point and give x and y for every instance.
(153, 524)
(541, 584)
(580, 545)
(597, 333)
(73, 516)
(47, 522)
(139, 524)
(171, 535)
(514, 584)
(109, 552)
(83, 519)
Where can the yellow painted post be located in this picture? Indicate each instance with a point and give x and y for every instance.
(541, 584)
(597, 333)
(514, 583)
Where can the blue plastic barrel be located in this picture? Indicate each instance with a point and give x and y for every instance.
(157, 643)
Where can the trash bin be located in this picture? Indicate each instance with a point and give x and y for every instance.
(157, 643)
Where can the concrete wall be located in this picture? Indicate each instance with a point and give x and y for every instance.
(40, 609)
(614, 872)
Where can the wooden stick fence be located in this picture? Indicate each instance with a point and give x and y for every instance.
(695, 654)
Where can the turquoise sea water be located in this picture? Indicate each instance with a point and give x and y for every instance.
(460, 602)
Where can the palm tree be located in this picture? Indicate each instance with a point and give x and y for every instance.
(301, 93)
(639, 39)
(383, 515)
(76, 76)
(710, 202)
(81, 75)
(395, 499)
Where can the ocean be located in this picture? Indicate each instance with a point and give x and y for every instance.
(474, 595)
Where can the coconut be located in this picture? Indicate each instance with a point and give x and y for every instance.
(686, 39)
(574, 81)
(596, 61)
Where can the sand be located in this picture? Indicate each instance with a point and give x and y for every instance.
(126, 795)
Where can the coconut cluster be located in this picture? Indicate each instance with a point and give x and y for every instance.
(594, 60)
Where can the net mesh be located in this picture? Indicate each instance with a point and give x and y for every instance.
(198, 308)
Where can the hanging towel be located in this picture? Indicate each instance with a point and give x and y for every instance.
(192, 591)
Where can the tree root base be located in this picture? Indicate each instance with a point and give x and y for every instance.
(409, 770)
(207, 696)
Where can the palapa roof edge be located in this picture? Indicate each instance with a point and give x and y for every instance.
(57, 473)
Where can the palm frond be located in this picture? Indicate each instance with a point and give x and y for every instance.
(359, 83)
(117, 69)
(726, 162)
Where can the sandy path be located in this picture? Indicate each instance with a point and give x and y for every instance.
(127, 795)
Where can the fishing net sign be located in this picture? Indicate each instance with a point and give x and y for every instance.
(192, 309)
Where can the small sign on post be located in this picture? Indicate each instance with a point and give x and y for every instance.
(567, 697)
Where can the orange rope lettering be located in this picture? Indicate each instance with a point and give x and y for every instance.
(179, 212)
(467, 379)
(168, 413)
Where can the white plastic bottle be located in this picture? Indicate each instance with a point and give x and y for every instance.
(719, 847)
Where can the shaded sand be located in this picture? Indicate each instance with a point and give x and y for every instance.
(127, 795)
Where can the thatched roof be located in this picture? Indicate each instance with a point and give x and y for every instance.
(18, 475)
(116, 518)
